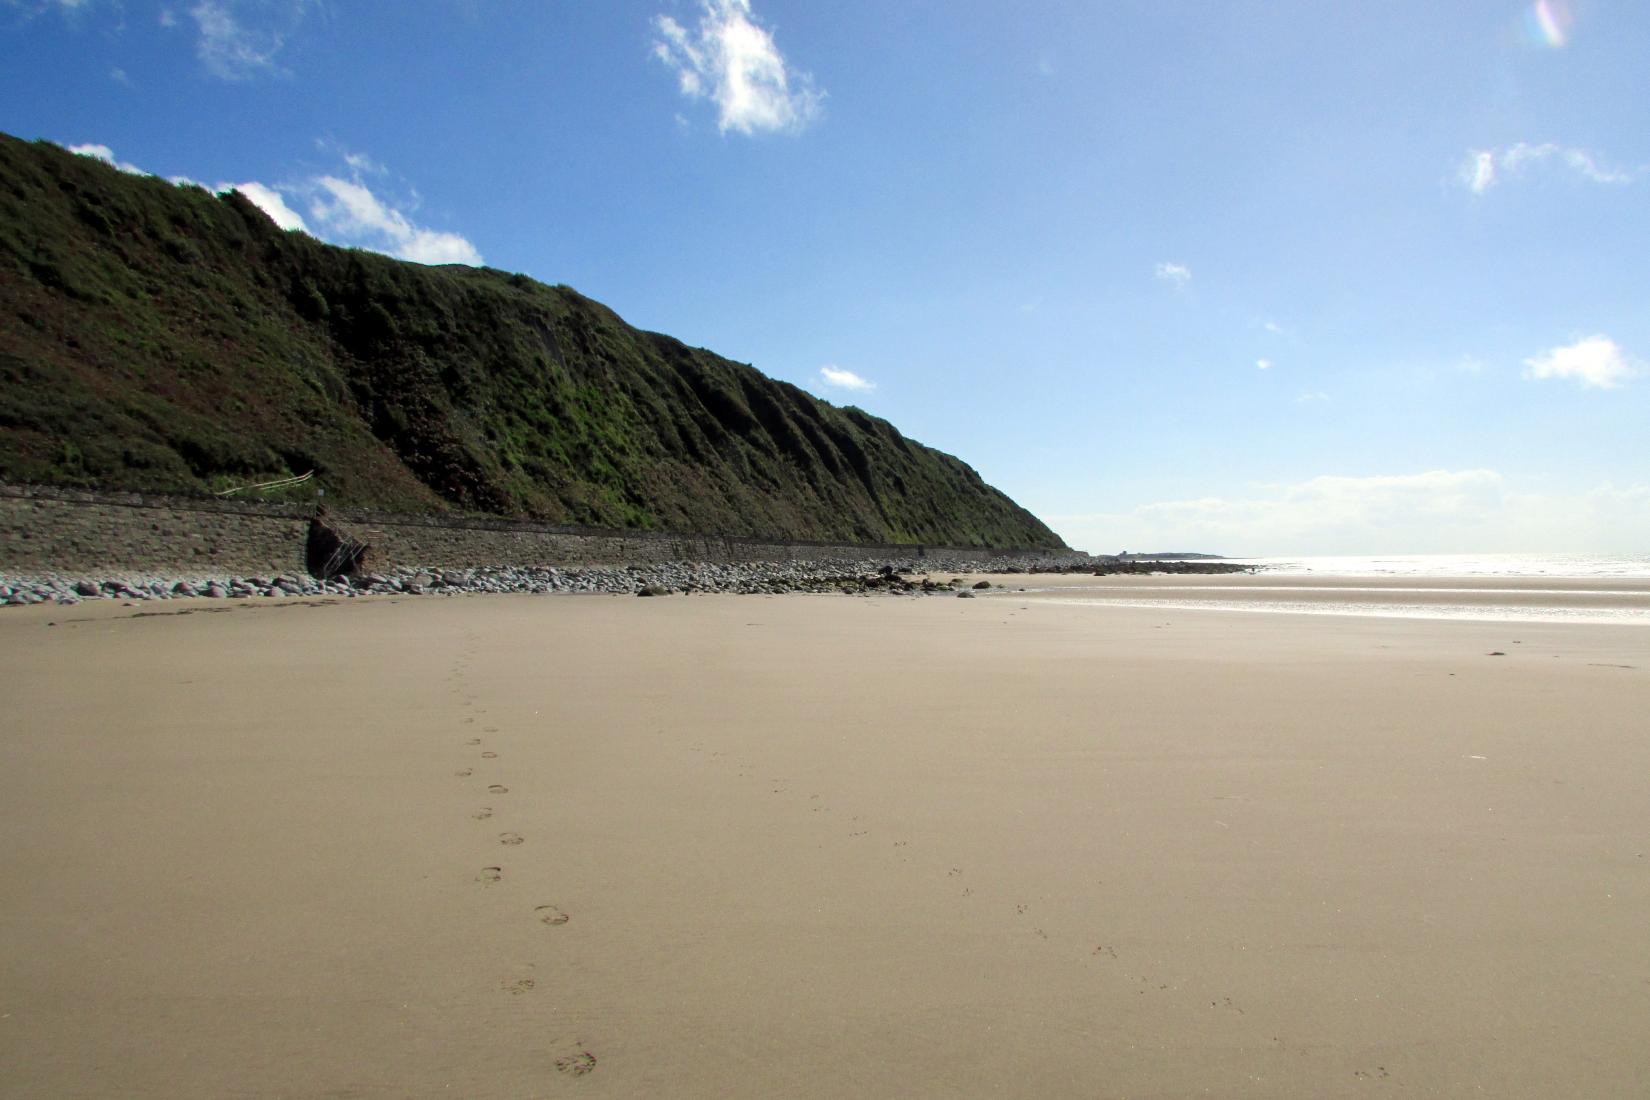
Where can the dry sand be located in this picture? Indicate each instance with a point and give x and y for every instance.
(819, 846)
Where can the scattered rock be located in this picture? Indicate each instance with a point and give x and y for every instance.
(845, 576)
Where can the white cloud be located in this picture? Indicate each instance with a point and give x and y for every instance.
(1484, 168)
(1596, 362)
(270, 202)
(1177, 275)
(342, 211)
(348, 210)
(1273, 327)
(1438, 511)
(833, 375)
(107, 156)
(232, 49)
(1311, 397)
(1263, 364)
(731, 59)
(1478, 173)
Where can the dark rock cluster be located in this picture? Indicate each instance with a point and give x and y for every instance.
(1108, 567)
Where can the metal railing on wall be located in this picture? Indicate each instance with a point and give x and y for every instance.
(278, 484)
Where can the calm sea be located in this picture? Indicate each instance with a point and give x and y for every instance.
(1487, 587)
(1462, 565)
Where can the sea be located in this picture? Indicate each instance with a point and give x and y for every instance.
(1567, 566)
(1529, 588)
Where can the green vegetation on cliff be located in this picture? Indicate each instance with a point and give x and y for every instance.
(158, 337)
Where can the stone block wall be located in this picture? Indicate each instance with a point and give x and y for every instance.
(44, 530)
(99, 534)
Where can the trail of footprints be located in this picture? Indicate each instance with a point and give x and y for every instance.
(581, 1061)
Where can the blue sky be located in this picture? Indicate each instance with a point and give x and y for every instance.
(1254, 278)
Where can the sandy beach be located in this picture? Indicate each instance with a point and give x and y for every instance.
(1020, 845)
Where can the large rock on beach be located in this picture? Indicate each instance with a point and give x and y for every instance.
(329, 552)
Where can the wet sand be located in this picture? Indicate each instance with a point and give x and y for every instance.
(818, 846)
(1617, 600)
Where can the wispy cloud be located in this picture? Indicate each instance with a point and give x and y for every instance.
(1274, 328)
(731, 59)
(833, 375)
(1176, 275)
(234, 47)
(1597, 362)
(1263, 364)
(1438, 511)
(1311, 397)
(68, 8)
(1482, 169)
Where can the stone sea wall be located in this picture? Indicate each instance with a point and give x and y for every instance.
(66, 532)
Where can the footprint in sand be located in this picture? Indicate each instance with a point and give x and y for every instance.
(489, 729)
(510, 838)
(465, 773)
(551, 914)
(498, 788)
(483, 814)
(489, 756)
(577, 1064)
(517, 987)
(473, 741)
(490, 875)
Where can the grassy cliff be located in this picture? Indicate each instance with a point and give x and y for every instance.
(159, 337)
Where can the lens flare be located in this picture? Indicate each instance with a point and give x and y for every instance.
(1547, 23)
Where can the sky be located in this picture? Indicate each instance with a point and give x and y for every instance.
(1245, 278)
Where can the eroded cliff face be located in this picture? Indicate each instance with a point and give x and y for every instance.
(162, 338)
